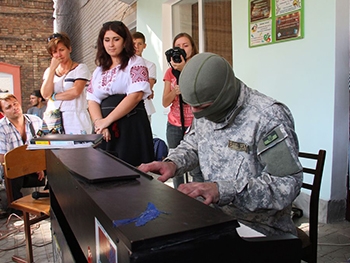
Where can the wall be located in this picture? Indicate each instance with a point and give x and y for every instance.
(310, 76)
(82, 21)
(25, 26)
(149, 17)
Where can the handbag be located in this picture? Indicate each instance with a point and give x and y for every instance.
(53, 121)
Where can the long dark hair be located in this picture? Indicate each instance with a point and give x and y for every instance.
(103, 59)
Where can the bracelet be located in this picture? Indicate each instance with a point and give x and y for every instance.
(53, 96)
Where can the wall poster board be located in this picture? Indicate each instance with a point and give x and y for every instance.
(274, 21)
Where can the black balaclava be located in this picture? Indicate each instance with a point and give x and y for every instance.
(208, 78)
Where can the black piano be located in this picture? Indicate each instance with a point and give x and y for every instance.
(100, 213)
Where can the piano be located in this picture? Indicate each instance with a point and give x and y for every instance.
(90, 190)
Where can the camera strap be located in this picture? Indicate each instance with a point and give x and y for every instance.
(176, 73)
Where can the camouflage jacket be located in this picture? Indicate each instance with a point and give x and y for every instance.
(253, 158)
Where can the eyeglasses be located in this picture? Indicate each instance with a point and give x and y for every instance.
(107, 24)
(54, 36)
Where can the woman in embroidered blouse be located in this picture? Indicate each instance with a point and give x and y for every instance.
(115, 96)
(64, 86)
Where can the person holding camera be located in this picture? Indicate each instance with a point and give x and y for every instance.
(180, 115)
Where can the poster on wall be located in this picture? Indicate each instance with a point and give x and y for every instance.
(273, 21)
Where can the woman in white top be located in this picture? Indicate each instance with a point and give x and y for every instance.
(115, 96)
(64, 86)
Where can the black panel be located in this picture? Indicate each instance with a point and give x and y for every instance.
(189, 231)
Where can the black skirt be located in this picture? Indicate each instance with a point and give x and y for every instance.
(131, 135)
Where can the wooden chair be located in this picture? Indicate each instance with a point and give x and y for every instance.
(309, 242)
(19, 162)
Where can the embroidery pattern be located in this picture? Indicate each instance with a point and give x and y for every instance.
(107, 78)
(139, 74)
(90, 88)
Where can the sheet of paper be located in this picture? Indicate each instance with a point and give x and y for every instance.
(59, 146)
(245, 231)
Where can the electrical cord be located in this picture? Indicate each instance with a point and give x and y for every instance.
(12, 229)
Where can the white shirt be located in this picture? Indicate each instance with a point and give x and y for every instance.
(76, 118)
(131, 79)
(152, 74)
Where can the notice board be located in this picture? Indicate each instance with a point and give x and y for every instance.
(274, 21)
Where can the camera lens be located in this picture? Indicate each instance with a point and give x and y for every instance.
(176, 58)
(175, 54)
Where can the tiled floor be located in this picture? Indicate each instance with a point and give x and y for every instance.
(12, 240)
(334, 241)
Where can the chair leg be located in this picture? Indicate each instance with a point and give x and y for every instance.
(28, 237)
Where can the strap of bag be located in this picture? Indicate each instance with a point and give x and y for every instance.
(32, 131)
(182, 116)
(176, 73)
(64, 79)
(60, 105)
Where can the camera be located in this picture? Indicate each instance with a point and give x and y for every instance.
(175, 53)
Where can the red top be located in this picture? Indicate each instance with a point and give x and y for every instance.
(174, 116)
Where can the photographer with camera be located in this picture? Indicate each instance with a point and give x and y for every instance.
(180, 115)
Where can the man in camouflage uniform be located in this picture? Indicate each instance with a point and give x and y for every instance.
(244, 143)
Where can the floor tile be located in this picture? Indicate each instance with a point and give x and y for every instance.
(14, 244)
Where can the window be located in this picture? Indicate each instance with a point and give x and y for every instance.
(207, 21)
(10, 79)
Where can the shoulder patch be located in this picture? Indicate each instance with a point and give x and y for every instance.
(275, 136)
(270, 138)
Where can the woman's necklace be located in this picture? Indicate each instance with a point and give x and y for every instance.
(65, 72)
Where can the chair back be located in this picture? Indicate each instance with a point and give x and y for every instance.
(315, 188)
(19, 162)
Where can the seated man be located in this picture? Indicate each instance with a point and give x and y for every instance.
(16, 129)
(244, 143)
(38, 106)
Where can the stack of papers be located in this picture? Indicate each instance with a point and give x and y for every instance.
(61, 145)
(65, 141)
